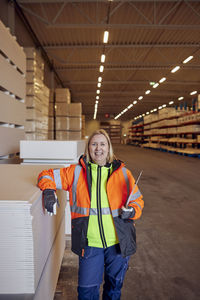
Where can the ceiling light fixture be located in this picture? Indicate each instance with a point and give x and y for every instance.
(180, 98)
(175, 69)
(99, 84)
(100, 79)
(171, 102)
(105, 37)
(155, 85)
(135, 102)
(131, 105)
(101, 68)
(98, 91)
(162, 79)
(97, 97)
(193, 93)
(147, 92)
(140, 98)
(187, 59)
(103, 57)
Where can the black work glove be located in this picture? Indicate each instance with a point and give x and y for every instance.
(50, 201)
(127, 213)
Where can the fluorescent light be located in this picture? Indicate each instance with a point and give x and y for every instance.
(147, 92)
(96, 102)
(164, 105)
(100, 79)
(101, 68)
(147, 113)
(99, 84)
(151, 110)
(171, 102)
(155, 109)
(105, 37)
(193, 93)
(131, 105)
(143, 115)
(152, 82)
(103, 57)
(155, 85)
(98, 91)
(162, 79)
(175, 69)
(159, 107)
(180, 98)
(140, 98)
(135, 102)
(187, 59)
(97, 97)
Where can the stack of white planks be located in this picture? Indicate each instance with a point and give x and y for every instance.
(32, 242)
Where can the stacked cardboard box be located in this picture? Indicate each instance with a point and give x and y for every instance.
(83, 126)
(12, 93)
(63, 95)
(37, 97)
(68, 121)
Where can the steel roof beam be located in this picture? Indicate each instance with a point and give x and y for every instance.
(135, 82)
(124, 26)
(85, 1)
(137, 92)
(94, 66)
(133, 45)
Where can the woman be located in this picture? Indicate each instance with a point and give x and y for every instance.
(103, 231)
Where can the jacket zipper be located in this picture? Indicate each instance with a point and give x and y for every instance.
(102, 235)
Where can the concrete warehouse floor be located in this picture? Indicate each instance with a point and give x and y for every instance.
(167, 263)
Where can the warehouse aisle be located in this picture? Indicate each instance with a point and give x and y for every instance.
(167, 263)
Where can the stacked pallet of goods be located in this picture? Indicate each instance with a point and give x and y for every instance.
(65, 117)
(37, 97)
(83, 126)
(12, 94)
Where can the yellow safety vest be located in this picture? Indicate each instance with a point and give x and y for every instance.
(101, 230)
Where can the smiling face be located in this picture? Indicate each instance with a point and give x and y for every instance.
(98, 149)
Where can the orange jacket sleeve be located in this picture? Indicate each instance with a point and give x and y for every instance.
(136, 200)
(56, 178)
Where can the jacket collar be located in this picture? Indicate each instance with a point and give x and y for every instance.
(116, 164)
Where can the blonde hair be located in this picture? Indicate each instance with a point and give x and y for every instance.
(110, 156)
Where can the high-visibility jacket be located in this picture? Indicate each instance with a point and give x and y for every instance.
(76, 179)
(101, 231)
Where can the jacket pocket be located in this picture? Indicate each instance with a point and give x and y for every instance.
(79, 234)
(127, 236)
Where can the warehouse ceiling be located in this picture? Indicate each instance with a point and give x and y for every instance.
(147, 39)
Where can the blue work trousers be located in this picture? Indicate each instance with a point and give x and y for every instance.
(95, 263)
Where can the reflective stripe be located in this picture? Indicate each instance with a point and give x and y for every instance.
(46, 176)
(127, 181)
(56, 173)
(79, 210)
(104, 211)
(74, 208)
(137, 204)
(135, 196)
(77, 172)
(116, 212)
